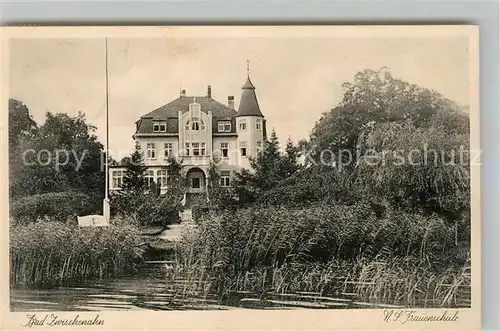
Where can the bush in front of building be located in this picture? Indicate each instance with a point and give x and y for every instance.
(146, 208)
(58, 206)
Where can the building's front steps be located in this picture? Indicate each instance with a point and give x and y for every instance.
(186, 215)
(174, 231)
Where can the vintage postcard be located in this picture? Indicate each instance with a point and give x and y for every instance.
(241, 177)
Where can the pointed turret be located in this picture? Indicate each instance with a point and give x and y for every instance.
(249, 105)
(250, 124)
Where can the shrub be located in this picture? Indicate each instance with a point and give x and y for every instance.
(321, 183)
(146, 208)
(58, 206)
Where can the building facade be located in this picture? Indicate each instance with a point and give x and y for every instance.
(199, 131)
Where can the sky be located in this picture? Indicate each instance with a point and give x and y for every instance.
(296, 78)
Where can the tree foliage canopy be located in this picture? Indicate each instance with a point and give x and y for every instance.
(134, 178)
(61, 154)
(376, 97)
(408, 148)
(424, 168)
(268, 168)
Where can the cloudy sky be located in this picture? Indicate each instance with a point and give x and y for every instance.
(297, 78)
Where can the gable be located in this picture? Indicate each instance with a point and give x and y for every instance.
(170, 113)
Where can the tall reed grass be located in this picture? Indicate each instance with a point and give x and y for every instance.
(397, 258)
(50, 253)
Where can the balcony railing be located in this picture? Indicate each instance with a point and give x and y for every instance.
(195, 159)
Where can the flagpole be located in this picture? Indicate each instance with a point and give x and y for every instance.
(106, 211)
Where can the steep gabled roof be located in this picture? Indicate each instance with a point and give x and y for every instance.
(170, 113)
(172, 109)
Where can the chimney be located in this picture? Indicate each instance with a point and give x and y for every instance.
(183, 93)
(209, 92)
(230, 101)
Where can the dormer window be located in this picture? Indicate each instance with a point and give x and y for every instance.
(160, 126)
(224, 126)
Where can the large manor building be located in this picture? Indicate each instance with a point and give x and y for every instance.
(199, 131)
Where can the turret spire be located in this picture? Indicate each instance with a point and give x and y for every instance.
(248, 83)
(248, 104)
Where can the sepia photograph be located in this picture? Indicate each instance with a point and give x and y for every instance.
(242, 169)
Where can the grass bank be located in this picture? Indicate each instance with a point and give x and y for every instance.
(394, 258)
(52, 253)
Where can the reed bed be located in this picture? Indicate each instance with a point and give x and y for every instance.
(398, 258)
(52, 253)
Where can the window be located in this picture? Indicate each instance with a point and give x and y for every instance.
(224, 148)
(162, 178)
(258, 124)
(198, 148)
(187, 149)
(160, 126)
(151, 149)
(224, 126)
(203, 149)
(117, 178)
(243, 125)
(168, 150)
(150, 177)
(225, 178)
(243, 149)
(259, 146)
(195, 124)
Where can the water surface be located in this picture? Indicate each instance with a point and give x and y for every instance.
(151, 290)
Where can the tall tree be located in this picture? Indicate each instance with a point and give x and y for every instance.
(176, 183)
(21, 124)
(22, 129)
(62, 154)
(377, 97)
(416, 168)
(134, 178)
(81, 157)
(268, 168)
(289, 161)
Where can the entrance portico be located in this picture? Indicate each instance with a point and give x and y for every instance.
(196, 180)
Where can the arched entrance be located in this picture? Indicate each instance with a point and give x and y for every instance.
(196, 180)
